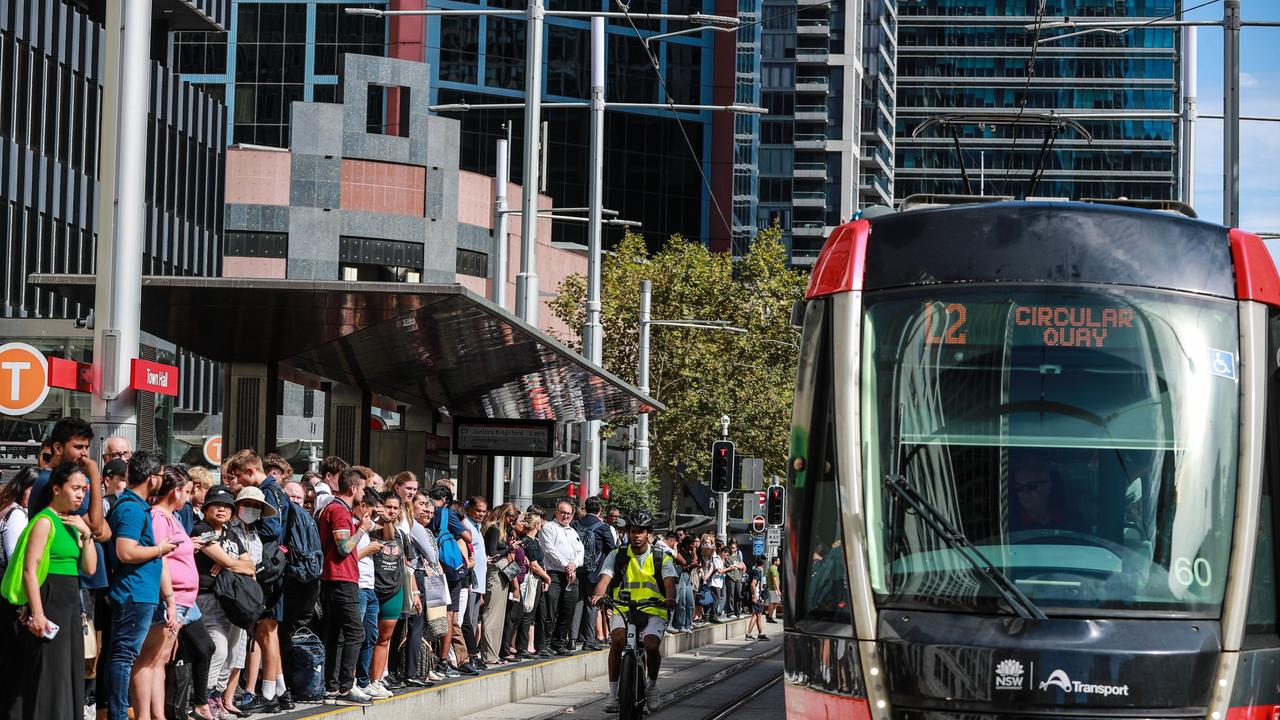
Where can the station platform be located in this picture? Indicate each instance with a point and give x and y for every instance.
(506, 685)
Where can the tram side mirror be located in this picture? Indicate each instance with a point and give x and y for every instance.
(797, 314)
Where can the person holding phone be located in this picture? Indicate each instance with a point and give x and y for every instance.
(52, 649)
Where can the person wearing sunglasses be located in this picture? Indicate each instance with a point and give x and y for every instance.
(116, 448)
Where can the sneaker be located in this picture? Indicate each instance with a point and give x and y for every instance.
(771, 620)
(651, 695)
(479, 664)
(612, 706)
(377, 691)
(285, 702)
(353, 697)
(255, 704)
(360, 692)
(763, 637)
(330, 698)
(434, 676)
(451, 672)
(467, 668)
(751, 637)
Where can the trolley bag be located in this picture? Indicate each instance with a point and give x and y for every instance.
(304, 668)
(177, 688)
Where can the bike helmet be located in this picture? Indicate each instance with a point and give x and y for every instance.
(640, 519)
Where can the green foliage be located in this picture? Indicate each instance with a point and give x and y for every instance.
(702, 374)
(627, 493)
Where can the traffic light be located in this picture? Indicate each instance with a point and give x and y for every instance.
(722, 466)
(774, 504)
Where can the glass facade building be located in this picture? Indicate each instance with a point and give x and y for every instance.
(285, 50)
(960, 56)
(827, 80)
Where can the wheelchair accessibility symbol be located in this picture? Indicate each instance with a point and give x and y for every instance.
(1222, 363)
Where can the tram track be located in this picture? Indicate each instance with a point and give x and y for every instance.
(733, 706)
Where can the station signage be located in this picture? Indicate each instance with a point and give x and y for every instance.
(24, 378)
(70, 375)
(154, 377)
(213, 450)
(490, 436)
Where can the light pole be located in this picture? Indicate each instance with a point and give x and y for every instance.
(122, 215)
(722, 501)
(592, 336)
(646, 322)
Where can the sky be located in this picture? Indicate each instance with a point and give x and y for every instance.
(1259, 141)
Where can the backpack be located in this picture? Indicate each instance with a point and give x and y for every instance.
(451, 560)
(304, 667)
(240, 598)
(301, 541)
(591, 555)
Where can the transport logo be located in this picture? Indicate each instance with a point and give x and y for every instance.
(24, 378)
(1009, 675)
(1060, 679)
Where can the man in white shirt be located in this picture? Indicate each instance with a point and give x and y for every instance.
(562, 554)
(477, 509)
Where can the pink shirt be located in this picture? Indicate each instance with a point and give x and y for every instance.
(181, 562)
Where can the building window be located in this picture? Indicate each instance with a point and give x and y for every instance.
(459, 49)
(504, 53)
(475, 264)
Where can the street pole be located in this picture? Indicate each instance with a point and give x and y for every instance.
(722, 501)
(499, 292)
(121, 218)
(589, 441)
(527, 280)
(1188, 154)
(642, 377)
(1231, 113)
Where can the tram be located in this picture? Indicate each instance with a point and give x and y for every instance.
(1035, 469)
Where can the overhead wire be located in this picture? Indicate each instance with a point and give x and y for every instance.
(1022, 101)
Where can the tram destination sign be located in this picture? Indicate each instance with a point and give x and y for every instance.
(490, 436)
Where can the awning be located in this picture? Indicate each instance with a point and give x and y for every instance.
(437, 346)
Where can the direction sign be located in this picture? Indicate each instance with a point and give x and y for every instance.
(774, 535)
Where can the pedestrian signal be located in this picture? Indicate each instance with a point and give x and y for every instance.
(722, 456)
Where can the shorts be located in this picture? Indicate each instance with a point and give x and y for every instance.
(391, 608)
(455, 597)
(188, 615)
(773, 597)
(654, 628)
(273, 602)
(757, 608)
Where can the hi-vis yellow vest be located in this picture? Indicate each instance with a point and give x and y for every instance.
(643, 582)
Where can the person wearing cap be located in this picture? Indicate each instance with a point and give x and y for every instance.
(115, 478)
(649, 575)
(222, 551)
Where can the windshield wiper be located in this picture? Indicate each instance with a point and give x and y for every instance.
(930, 516)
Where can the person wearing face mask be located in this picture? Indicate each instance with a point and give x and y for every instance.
(268, 562)
(222, 552)
(140, 594)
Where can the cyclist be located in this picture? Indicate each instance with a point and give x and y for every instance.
(647, 575)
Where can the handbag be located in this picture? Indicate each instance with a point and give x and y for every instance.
(90, 637)
(529, 592)
(11, 586)
(508, 568)
(437, 623)
(177, 687)
(436, 592)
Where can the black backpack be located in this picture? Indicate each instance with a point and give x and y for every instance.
(303, 556)
(591, 555)
(240, 597)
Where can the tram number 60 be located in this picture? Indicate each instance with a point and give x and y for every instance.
(954, 316)
(1186, 571)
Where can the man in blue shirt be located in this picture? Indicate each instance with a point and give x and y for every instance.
(139, 580)
(69, 443)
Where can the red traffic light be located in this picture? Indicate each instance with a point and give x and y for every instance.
(757, 525)
(775, 504)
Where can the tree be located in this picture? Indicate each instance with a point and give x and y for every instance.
(701, 374)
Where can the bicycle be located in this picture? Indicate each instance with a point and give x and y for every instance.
(633, 679)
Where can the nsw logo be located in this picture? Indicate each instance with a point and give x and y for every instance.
(1009, 675)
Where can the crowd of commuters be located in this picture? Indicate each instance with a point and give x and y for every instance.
(152, 591)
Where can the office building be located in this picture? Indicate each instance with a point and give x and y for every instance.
(279, 52)
(972, 56)
(51, 78)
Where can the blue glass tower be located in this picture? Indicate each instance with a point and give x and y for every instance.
(973, 55)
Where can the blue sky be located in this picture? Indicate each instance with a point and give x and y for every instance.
(1259, 142)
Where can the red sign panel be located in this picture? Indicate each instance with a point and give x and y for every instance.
(155, 377)
(70, 375)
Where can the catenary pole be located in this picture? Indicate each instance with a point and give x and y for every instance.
(1189, 88)
(527, 280)
(121, 217)
(1231, 113)
(592, 340)
(642, 377)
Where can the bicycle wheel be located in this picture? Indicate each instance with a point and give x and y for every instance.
(630, 689)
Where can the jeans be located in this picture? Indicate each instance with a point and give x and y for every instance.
(684, 603)
(131, 623)
(344, 633)
(369, 615)
(720, 598)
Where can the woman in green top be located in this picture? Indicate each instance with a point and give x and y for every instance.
(52, 684)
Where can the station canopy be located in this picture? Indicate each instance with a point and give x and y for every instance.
(436, 346)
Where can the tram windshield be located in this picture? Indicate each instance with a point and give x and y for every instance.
(1082, 438)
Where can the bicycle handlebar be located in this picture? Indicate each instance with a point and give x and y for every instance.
(632, 605)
